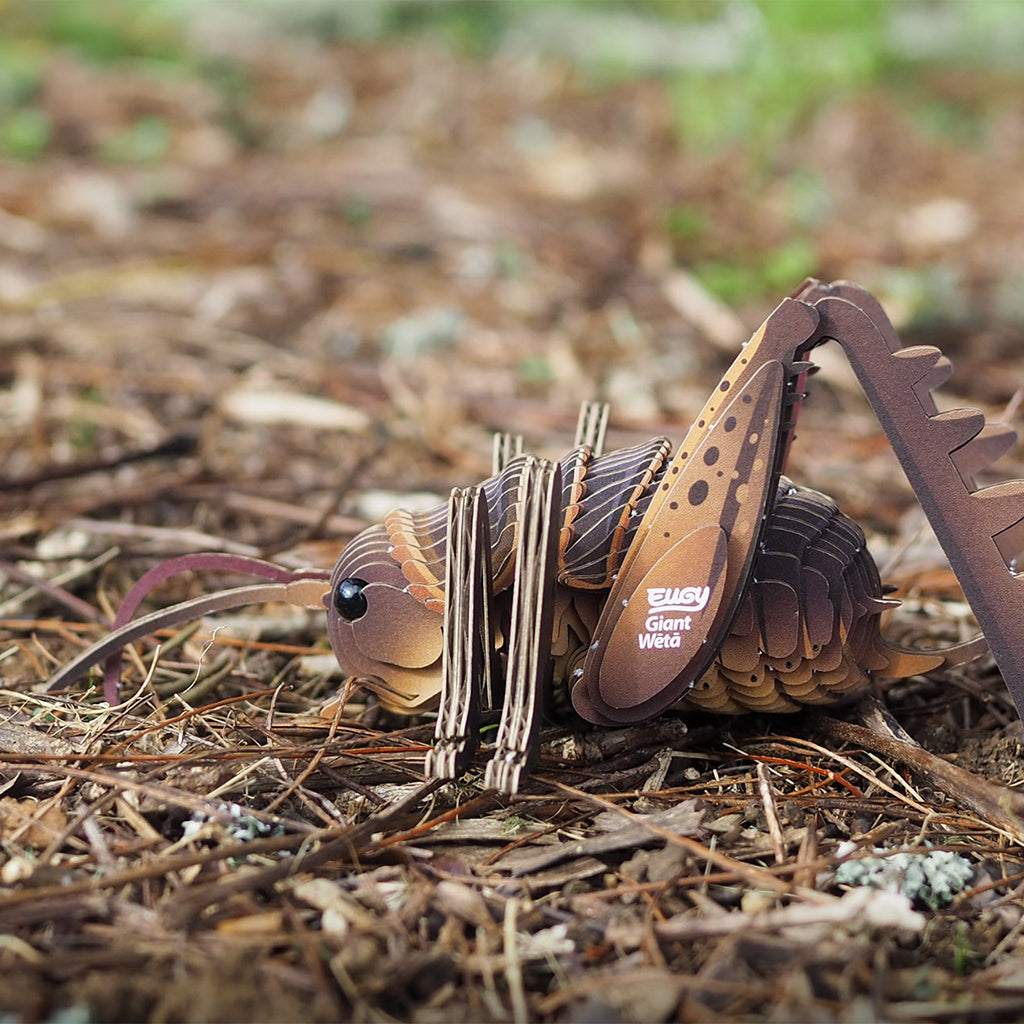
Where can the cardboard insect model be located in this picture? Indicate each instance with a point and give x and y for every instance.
(643, 580)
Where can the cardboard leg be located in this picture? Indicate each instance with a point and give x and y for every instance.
(506, 448)
(592, 426)
(528, 672)
(468, 636)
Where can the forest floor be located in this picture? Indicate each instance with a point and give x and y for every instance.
(253, 308)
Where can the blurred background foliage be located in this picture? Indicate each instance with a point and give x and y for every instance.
(737, 69)
(741, 77)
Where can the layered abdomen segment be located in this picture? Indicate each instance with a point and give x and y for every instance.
(807, 628)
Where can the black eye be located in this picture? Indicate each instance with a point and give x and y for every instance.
(349, 599)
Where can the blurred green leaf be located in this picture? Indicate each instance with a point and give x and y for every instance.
(776, 270)
(25, 134)
(685, 223)
(787, 265)
(810, 198)
(21, 72)
(730, 280)
(145, 142)
(356, 210)
(790, 57)
(511, 260)
(102, 30)
(954, 122)
(535, 369)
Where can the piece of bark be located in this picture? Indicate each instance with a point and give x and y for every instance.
(1001, 806)
(684, 819)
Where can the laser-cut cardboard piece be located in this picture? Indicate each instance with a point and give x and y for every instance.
(705, 580)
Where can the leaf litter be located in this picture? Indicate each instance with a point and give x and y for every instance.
(254, 348)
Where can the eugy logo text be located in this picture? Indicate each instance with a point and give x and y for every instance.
(662, 630)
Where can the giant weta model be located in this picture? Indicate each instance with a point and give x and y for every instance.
(643, 580)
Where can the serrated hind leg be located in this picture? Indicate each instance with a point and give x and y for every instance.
(981, 530)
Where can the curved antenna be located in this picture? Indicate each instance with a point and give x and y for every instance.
(306, 591)
(214, 561)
